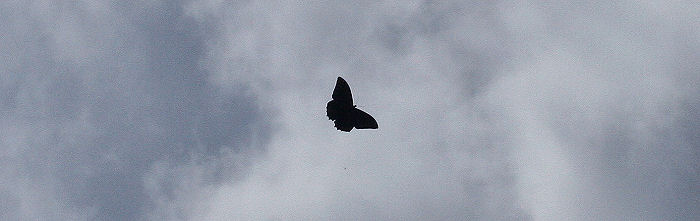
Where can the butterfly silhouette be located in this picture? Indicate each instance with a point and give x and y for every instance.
(343, 113)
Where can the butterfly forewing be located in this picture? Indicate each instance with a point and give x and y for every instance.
(341, 93)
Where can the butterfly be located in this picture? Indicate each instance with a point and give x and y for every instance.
(343, 113)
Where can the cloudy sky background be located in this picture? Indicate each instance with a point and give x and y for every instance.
(215, 110)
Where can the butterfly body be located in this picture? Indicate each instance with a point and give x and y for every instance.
(343, 113)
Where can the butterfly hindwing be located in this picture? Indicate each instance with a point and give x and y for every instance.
(343, 125)
(363, 120)
(332, 110)
(342, 93)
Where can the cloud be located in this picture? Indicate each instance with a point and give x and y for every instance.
(98, 96)
(214, 110)
(602, 98)
(430, 159)
(564, 114)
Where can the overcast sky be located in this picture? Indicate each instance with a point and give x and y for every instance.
(215, 110)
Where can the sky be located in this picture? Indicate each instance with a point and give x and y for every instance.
(215, 110)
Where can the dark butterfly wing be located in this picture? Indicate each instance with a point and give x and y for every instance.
(341, 93)
(332, 110)
(363, 120)
(340, 116)
(343, 125)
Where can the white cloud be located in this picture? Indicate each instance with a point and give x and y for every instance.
(565, 88)
(214, 110)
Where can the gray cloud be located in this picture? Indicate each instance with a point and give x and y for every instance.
(95, 95)
(213, 110)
